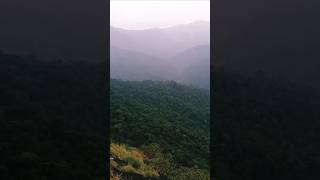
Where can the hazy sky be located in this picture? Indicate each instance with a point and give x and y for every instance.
(136, 14)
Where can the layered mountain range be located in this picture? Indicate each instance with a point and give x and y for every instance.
(180, 53)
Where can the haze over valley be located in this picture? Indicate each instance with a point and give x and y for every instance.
(180, 53)
(154, 110)
(159, 90)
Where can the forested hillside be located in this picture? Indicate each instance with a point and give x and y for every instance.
(53, 122)
(149, 162)
(168, 114)
(264, 129)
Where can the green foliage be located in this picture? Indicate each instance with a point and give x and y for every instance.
(155, 164)
(170, 124)
(184, 173)
(166, 113)
(130, 160)
(163, 163)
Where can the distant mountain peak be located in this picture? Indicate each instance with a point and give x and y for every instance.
(194, 23)
(200, 22)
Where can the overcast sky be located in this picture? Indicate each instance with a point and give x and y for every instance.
(136, 14)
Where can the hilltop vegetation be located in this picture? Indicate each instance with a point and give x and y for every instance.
(149, 162)
(130, 160)
(173, 116)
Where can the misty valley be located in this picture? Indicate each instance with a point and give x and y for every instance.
(160, 102)
(180, 53)
(54, 95)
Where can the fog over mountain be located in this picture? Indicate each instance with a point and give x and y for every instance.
(157, 14)
(193, 66)
(162, 42)
(178, 53)
(130, 65)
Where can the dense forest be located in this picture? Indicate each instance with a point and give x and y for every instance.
(164, 114)
(264, 129)
(53, 121)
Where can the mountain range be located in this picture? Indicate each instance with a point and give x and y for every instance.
(180, 53)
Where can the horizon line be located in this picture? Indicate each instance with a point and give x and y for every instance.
(160, 0)
(164, 27)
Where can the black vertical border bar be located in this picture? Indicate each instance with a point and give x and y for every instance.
(212, 45)
(108, 89)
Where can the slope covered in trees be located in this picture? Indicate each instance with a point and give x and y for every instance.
(52, 119)
(149, 163)
(174, 116)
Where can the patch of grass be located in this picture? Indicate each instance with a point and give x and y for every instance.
(130, 160)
